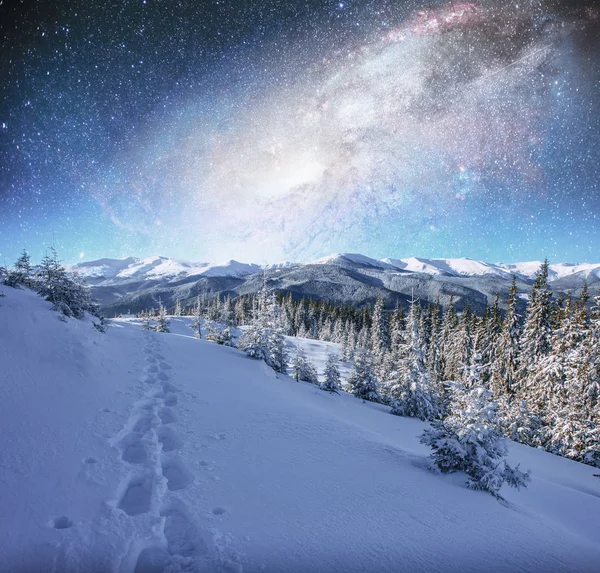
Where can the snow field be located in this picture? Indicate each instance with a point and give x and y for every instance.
(142, 452)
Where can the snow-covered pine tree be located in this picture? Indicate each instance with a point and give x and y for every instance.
(264, 339)
(21, 274)
(362, 379)
(414, 395)
(469, 439)
(380, 331)
(505, 368)
(332, 382)
(162, 322)
(447, 335)
(303, 368)
(535, 340)
(196, 325)
(146, 320)
(177, 311)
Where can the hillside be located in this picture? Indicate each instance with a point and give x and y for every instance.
(136, 451)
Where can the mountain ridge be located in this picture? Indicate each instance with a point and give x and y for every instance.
(130, 285)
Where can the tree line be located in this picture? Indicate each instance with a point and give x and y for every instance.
(68, 292)
(541, 368)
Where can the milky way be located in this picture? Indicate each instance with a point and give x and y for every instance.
(265, 131)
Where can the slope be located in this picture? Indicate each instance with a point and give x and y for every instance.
(146, 452)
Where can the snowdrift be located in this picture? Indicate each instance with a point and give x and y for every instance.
(140, 452)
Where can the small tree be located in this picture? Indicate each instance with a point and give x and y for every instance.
(303, 368)
(177, 311)
(146, 320)
(162, 322)
(196, 325)
(218, 333)
(264, 339)
(332, 375)
(21, 274)
(469, 439)
(362, 380)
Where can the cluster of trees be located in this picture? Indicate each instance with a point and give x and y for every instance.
(533, 378)
(68, 292)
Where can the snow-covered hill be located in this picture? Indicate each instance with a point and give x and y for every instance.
(140, 452)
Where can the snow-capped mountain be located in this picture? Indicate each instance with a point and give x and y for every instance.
(157, 268)
(132, 284)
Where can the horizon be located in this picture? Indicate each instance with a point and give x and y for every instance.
(83, 260)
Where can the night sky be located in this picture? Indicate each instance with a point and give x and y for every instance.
(281, 130)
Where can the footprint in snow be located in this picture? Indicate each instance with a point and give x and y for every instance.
(152, 560)
(165, 366)
(167, 416)
(182, 535)
(177, 475)
(62, 522)
(143, 424)
(163, 376)
(168, 388)
(169, 439)
(137, 497)
(171, 400)
(153, 369)
(133, 450)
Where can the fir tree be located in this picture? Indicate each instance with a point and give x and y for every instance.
(415, 395)
(332, 382)
(303, 368)
(505, 368)
(196, 325)
(469, 440)
(362, 380)
(177, 311)
(162, 322)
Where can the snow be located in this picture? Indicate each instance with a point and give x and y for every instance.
(131, 451)
(156, 268)
(362, 260)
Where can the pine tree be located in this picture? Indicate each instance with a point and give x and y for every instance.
(414, 395)
(303, 368)
(162, 322)
(177, 310)
(146, 320)
(362, 379)
(264, 339)
(22, 272)
(332, 382)
(535, 341)
(448, 333)
(469, 439)
(380, 331)
(196, 325)
(505, 368)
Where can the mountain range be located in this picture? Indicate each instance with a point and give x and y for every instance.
(132, 284)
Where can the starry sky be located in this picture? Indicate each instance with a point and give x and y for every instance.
(269, 130)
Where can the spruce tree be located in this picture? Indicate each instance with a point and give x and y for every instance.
(303, 368)
(362, 380)
(469, 439)
(162, 322)
(415, 395)
(332, 382)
